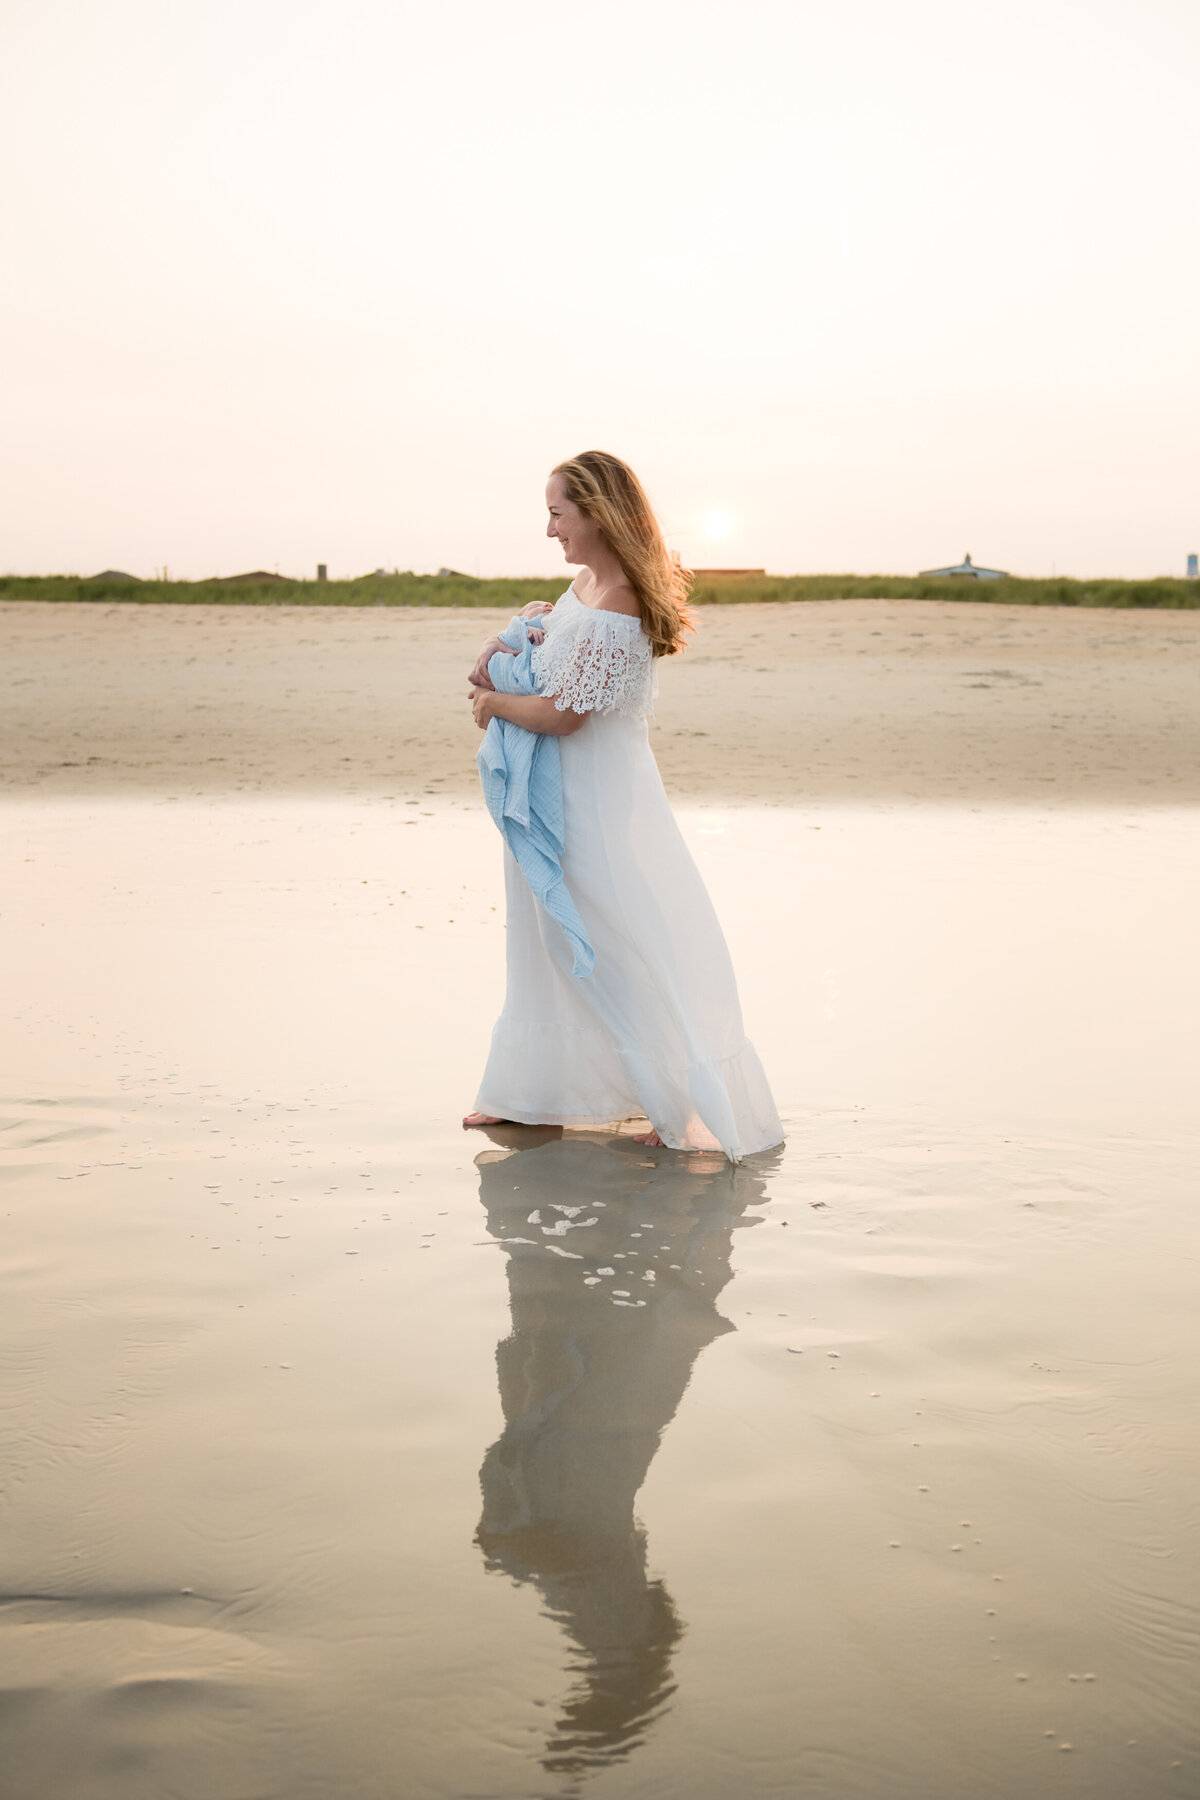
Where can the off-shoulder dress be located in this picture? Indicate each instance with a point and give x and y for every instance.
(656, 1028)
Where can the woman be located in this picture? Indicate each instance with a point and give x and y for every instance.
(656, 1027)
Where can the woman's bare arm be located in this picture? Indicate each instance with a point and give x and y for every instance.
(530, 711)
(479, 676)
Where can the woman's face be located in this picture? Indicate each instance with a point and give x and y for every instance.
(577, 534)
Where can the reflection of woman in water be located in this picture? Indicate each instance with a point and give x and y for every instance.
(615, 1262)
(656, 1026)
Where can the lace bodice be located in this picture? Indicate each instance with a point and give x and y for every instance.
(595, 661)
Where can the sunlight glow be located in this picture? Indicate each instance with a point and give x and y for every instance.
(827, 305)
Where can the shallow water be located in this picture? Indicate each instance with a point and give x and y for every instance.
(348, 1454)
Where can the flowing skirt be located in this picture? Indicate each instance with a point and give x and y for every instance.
(656, 1028)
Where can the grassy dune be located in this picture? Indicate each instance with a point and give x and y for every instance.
(514, 592)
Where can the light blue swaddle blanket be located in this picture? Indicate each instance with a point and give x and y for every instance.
(521, 772)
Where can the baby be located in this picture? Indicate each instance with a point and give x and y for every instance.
(479, 676)
(534, 610)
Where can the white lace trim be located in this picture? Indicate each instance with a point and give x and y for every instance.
(594, 661)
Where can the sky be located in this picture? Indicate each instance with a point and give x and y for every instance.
(854, 287)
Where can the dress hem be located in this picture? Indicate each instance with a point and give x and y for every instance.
(510, 1116)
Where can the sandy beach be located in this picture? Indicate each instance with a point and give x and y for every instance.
(844, 700)
(350, 1454)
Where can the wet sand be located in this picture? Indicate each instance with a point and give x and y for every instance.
(351, 1454)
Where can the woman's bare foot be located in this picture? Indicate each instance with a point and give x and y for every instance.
(480, 1119)
(651, 1140)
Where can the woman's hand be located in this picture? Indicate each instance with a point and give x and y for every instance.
(483, 704)
(479, 676)
(536, 609)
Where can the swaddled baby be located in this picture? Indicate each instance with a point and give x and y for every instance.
(536, 609)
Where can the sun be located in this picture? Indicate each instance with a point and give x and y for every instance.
(717, 524)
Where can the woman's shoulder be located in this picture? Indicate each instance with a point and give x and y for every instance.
(594, 659)
(623, 603)
(602, 627)
(620, 601)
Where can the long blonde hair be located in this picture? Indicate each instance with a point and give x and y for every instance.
(609, 492)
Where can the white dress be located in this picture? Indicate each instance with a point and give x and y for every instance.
(656, 1028)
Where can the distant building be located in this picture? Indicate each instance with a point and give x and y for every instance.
(259, 578)
(112, 575)
(967, 567)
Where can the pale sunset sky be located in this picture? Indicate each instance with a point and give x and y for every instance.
(868, 285)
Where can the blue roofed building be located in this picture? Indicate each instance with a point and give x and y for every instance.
(967, 567)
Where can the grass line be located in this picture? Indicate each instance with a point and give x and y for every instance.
(515, 592)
